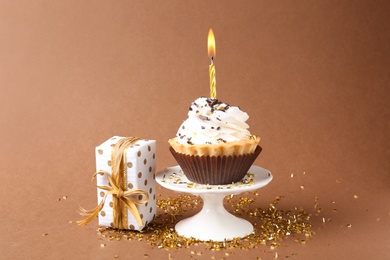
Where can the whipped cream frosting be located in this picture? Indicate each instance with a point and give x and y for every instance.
(211, 121)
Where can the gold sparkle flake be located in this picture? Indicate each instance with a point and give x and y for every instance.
(271, 225)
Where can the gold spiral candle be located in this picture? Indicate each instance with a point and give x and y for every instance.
(213, 81)
(212, 73)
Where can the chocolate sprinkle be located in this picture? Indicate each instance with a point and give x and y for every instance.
(189, 141)
(204, 117)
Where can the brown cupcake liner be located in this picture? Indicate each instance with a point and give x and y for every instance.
(215, 170)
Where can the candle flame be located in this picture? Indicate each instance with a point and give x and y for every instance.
(211, 43)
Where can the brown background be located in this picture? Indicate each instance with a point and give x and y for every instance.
(312, 75)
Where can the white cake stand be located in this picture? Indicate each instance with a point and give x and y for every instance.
(213, 222)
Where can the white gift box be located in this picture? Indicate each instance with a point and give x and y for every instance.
(140, 174)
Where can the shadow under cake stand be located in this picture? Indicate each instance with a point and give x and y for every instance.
(213, 222)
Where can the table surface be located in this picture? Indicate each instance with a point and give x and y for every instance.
(312, 75)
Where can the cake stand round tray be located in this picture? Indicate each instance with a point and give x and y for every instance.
(213, 222)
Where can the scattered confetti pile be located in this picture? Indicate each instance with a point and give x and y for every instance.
(271, 225)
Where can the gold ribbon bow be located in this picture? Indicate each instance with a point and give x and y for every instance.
(122, 199)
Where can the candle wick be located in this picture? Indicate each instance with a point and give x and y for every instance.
(212, 59)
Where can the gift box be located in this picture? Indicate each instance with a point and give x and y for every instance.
(126, 186)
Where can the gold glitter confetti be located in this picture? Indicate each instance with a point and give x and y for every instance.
(177, 178)
(64, 197)
(45, 234)
(315, 202)
(102, 245)
(271, 225)
(349, 225)
(355, 196)
(302, 187)
(292, 175)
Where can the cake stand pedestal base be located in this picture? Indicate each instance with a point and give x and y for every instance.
(213, 222)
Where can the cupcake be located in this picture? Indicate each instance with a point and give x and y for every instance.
(213, 145)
